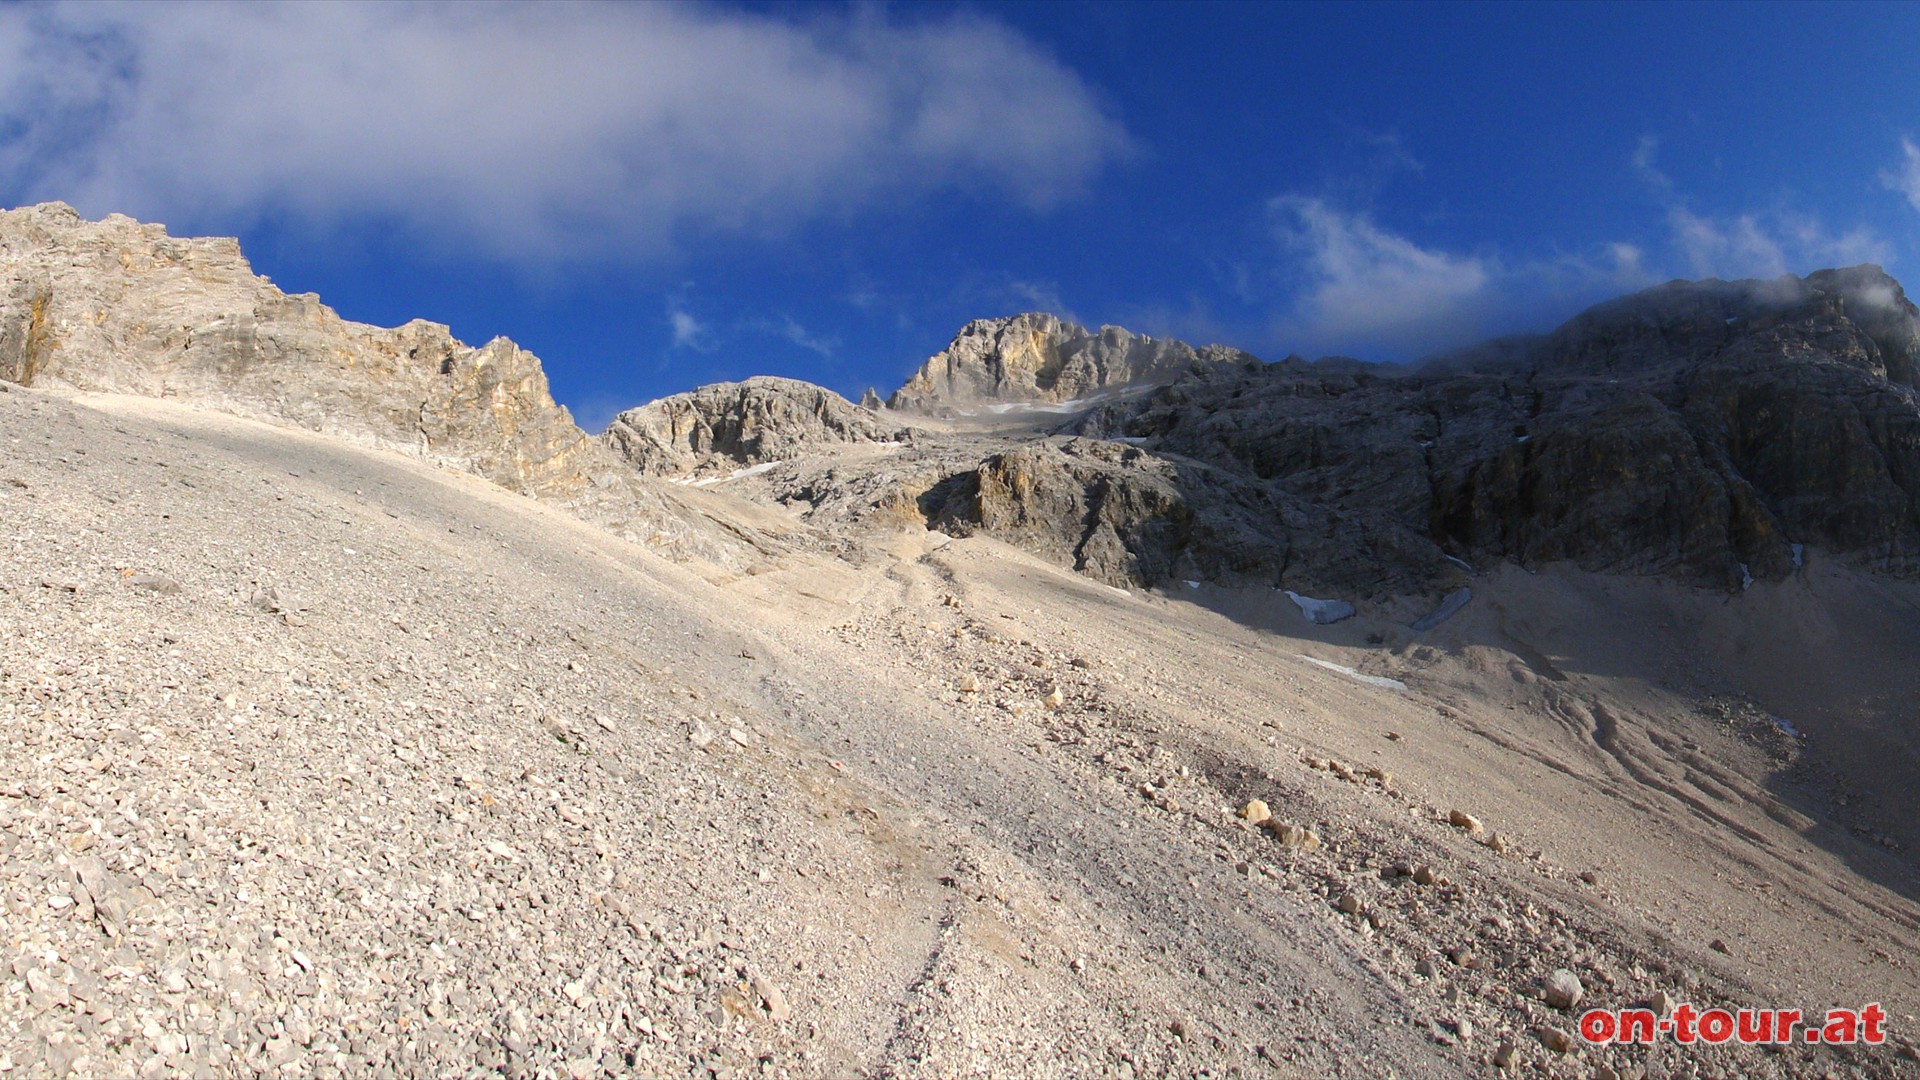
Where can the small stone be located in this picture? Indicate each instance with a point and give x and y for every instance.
(1554, 1039)
(1661, 1003)
(1349, 904)
(740, 736)
(1503, 1054)
(1380, 774)
(1498, 843)
(1425, 969)
(155, 583)
(1464, 1028)
(1460, 819)
(1590, 877)
(1720, 947)
(1340, 770)
(1055, 699)
(1255, 812)
(772, 999)
(1424, 875)
(1563, 989)
(970, 684)
(1293, 836)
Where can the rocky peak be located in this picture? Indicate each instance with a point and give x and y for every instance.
(120, 306)
(1855, 315)
(741, 424)
(1040, 358)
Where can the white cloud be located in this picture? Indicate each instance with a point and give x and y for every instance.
(1366, 285)
(548, 130)
(1371, 292)
(688, 332)
(1042, 296)
(800, 336)
(1760, 244)
(1906, 178)
(1645, 154)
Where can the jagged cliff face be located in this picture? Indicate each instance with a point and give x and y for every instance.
(1711, 430)
(734, 425)
(121, 306)
(1039, 358)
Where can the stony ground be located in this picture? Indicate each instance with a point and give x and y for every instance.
(317, 761)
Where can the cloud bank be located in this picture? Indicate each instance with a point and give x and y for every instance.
(1361, 288)
(551, 131)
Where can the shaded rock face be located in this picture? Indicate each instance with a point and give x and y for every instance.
(1709, 431)
(1113, 513)
(1039, 358)
(1698, 429)
(731, 425)
(122, 307)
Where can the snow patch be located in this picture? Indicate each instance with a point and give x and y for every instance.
(1746, 578)
(1130, 440)
(1371, 680)
(1321, 611)
(1461, 563)
(1799, 555)
(1448, 608)
(1193, 584)
(751, 470)
(1785, 726)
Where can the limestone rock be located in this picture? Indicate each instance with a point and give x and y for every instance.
(123, 307)
(729, 426)
(1563, 989)
(1040, 358)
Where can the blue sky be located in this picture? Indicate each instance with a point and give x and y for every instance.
(653, 197)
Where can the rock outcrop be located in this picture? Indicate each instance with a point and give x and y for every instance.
(1040, 358)
(729, 426)
(1710, 431)
(119, 306)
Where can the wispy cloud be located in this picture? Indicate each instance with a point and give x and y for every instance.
(688, 331)
(799, 335)
(1361, 288)
(533, 131)
(1042, 296)
(1367, 285)
(1757, 243)
(1354, 285)
(1905, 177)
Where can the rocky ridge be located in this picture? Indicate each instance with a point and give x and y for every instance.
(122, 307)
(1711, 431)
(1040, 358)
(741, 425)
